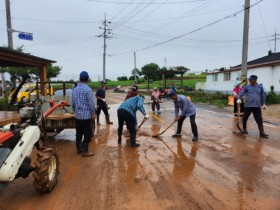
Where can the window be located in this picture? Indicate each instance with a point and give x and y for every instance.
(214, 77)
(227, 76)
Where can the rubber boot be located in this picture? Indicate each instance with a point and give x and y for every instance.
(97, 119)
(108, 120)
(133, 140)
(85, 152)
(262, 133)
(244, 129)
(119, 138)
(79, 147)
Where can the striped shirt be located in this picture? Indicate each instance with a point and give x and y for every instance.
(83, 102)
(132, 105)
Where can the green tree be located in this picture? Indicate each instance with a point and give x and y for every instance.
(150, 69)
(122, 78)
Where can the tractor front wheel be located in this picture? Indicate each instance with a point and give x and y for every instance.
(46, 169)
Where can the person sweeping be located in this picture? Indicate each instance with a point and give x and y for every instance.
(127, 113)
(183, 104)
(255, 100)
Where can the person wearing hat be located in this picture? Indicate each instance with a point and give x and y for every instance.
(236, 90)
(155, 97)
(101, 103)
(133, 92)
(255, 100)
(127, 113)
(186, 108)
(84, 108)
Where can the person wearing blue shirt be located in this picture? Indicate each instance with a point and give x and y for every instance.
(127, 113)
(255, 99)
(84, 108)
(101, 103)
(183, 104)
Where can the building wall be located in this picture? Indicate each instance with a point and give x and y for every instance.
(267, 76)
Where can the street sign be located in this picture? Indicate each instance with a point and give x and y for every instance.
(25, 36)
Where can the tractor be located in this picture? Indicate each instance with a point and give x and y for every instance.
(17, 142)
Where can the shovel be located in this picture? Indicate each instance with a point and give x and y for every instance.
(158, 134)
(238, 118)
(144, 120)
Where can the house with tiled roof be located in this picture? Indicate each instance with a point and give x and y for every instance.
(267, 69)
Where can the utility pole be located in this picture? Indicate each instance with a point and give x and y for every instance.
(245, 40)
(165, 62)
(135, 76)
(106, 35)
(275, 40)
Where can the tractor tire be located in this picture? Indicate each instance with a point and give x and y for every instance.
(46, 169)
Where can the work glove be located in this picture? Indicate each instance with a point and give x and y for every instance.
(104, 100)
(239, 101)
(146, 116)
(264, 106)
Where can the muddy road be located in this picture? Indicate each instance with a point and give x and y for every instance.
(220, 171)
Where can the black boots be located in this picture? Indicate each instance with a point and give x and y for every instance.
(262, 133)
(108, 119)
(97, 119)
(133, 140)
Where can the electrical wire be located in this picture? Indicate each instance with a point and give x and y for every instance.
(119, 2)
(264, 27)
(188, 33)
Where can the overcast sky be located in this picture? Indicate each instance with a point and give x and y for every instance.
(66, 31)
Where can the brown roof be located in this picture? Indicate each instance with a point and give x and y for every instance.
(13, 58)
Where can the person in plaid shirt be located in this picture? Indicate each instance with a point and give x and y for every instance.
(127, 113)
(84, 108)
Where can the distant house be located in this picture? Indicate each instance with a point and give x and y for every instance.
(266, 68)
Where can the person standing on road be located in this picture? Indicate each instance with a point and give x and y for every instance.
(255, 100)
(236, 90)
(127, 113)
(187, 108)
(84, 108)
(156, 100)
(101, 103)
(133, 92)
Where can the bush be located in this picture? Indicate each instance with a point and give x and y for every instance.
(272, 98)
(4, 105)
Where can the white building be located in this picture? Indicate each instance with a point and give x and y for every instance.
(266, 68)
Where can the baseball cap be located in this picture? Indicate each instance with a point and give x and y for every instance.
(134, 88)
(103, 83)
(171, 93)
(155, 88)
(84, 76)
(253, 77)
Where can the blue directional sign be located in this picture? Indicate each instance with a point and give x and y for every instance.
(25, 36)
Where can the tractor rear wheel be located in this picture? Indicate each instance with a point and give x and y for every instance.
(46, 169)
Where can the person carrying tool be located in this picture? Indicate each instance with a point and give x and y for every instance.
(236, 90)
(127, 113)
(155, 97)
(187, 108)
(255, 100)
(101, 103)
(84, 108)
(133, 92)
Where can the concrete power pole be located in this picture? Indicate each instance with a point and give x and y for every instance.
(135, 76)
(105, 35)
(245, 40)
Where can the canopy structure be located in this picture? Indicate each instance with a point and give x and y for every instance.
(13, 58)
(163, 74)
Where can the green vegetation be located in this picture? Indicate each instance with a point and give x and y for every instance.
(4, 105)
(272, 98)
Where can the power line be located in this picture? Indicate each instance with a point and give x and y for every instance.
(264, 26)
(119, 2)
(188, 33)
(54, 21)
(122, 10)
